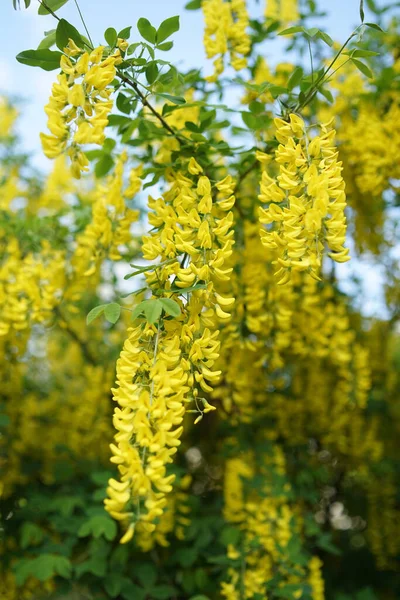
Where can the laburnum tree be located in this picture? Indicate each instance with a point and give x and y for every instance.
(191, 406)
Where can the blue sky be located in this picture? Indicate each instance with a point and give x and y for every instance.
(22, 30)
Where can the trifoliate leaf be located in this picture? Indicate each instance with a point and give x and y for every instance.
(167, 28)
(146, 30)
(112, 312)
(170, 307)
(99, 525)
(152, 310)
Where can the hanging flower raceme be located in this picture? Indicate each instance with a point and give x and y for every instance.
(79, 104)
(306, 200)
(165, 365)
(108, 233)
(266, 520)
(286, 11)
(225, 30)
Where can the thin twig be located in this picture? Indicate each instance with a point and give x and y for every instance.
(145, 102)
(83, 22)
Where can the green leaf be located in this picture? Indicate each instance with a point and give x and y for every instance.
(361, 53)
(131, 591)
(163, 592)
(152, 310)
(374, 26)
(230, 535)
(276, 90)
(249, 120)
(54, 5)
(43, 568)
(151, 72)
(147, 575)
(326, 94)
(104, 165)
(95, 565)
(48, 60)
(110, 35)
(256, 107)
(66, 31)
(123, 103)
(167, 28)
(199, 597)
(125, 33)
(193, 5)
(48, 41)
(312, 32)
(99, 525)
(146, 30)
(173, 99)
(117, 120)
(65, 505)
(16, 4)
(193, 288)
(170, 307)
(113, 584)
(31, 535)
(165, 46)
(362, 67)
(112, 312)
(94, 313)
(295, 78)
(291, 30)
(362, 15)
(138, 310)
(325, 38)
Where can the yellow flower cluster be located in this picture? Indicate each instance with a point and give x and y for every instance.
(383, 520)
(315, 578)
(286, 11)
(305, 321)
(79, 105)
(161, 365)
(306, 200)
(30, 285)
(110, 229)
(371, 142)
(8, 116)
(225, 31)
(268, 524)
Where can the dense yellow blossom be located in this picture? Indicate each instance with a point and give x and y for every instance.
(79, 105)
(225, 31)
(286, 11)
(306, 201)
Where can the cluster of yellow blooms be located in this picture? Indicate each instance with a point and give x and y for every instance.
(30, 285)
(161, 364)
(268, 523)
(79, 105)
(306, 201)
(109, 230)
(286, 11)
(225, 30)
(254, 326)
(8, 116)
